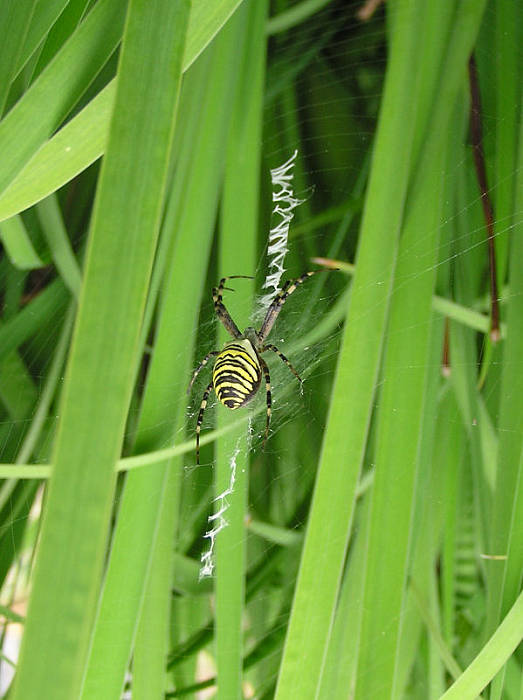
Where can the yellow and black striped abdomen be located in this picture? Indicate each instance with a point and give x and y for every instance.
(236, 375)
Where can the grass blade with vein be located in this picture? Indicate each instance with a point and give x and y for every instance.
(349, 414)
(102, 362)
(237, 253)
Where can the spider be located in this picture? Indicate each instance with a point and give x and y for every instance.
(236, 376)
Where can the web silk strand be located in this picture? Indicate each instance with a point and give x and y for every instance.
(217, 521)
(283, 213)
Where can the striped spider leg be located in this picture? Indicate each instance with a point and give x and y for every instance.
(275, 308)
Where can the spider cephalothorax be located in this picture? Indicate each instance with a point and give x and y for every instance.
(238, 368)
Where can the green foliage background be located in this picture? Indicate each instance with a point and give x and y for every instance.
(375, 548)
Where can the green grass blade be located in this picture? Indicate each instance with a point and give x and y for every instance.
(17, 244)
(42, 20)
(405, 376)
(294, 15)
(102, 365)
(50, 303)
(48, 391)
(60, 32)
(463, 376)
(58, 241)
(506, 536)
(50, 164)
(401, 413)
(78, 144)
(349, 413)
(191, 214)
(167, 381)
(17, 389)
(15, 19)
(205, 22)
(424, 609)
(59, 87)
(152, 636)
(237, 255)
(508, 20)
(339, 679)
(491, 658)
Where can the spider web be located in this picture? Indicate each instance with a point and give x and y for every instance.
(335, 62)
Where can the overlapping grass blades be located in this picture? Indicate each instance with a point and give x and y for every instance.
(124, 229)
(46, 165)
(346, 431)
(406, 379)
(401, 580)
(150, 496)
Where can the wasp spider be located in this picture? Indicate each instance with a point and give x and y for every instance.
(237, 372)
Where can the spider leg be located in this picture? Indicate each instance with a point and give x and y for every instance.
(220, 309)
(202, 364)
(200, 419)
(275, 308)
(269, 400)
(282, 358)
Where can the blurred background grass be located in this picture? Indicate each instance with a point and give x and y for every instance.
(374, 549)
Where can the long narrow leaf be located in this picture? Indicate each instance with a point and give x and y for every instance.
(17, 244)
(59, 87)
(146, 497)
(239, 219)
(50, 164)
(491, 658)
(15, 19)
(101, 368)
(406, 373)
(349, 414)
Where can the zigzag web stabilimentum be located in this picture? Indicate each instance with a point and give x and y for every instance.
(286, 202)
